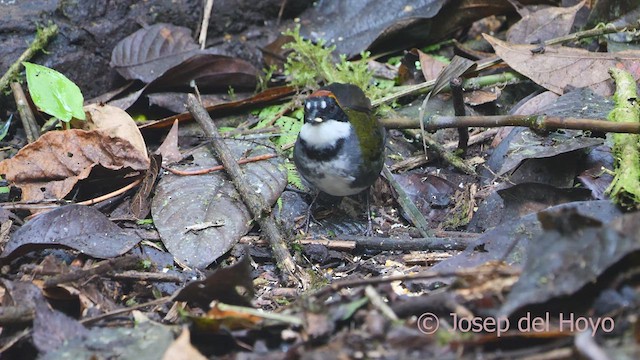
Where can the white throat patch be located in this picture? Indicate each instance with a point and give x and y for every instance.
(325, 134)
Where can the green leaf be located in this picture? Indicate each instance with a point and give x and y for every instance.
(4, 128)
(53, 93)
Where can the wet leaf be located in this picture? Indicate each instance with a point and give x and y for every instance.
(516, 235)
(50, 167)
(334, 22)
(141, 200)
(543, 25)
(78, 227)
(149, 52)
(199, 218)
(52, 328)
(146, 341)
(53, 93)
(572, 252)
(524, 144)
(560, 67)
(210, 72)
(222, 285)
(431, 194)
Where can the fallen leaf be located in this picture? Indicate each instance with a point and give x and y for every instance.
(199, 218)
(431, 67)
(542, 25)
(145, 341)
(560, 67)
(181, 348)
(169, 148)
(208, 71)
(149, 52)
(52, 328)
(78, 227)
(115, 122)
(573, 251)
(333, 22)
(515, 235)
(50, 167)
(222, 285)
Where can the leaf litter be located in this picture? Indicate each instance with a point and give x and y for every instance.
(542, 243)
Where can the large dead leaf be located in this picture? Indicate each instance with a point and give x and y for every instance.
(115, 122)
(222, 285)
(145, 341)
(543, 25)
(199, 218)
(149, 52)
(571, 254)
(515, 236)
(560, 67)
(210, 72)
(78, 227)
(49, 167)
(334, 22)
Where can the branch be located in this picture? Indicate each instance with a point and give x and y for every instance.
(256, 204)
(536, 122)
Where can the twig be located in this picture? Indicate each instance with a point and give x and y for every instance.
(458, 107)
(120, 263)
(204, 27)
(416, 217)
(537, 122)
(159, 301)
(111, 194)
(378, 302)
(26, 115)
(281, 11)
(256, 204)
(349, 283)
(350, 243)
(408, 244)
(218, 167)
(43, 36)
(148, 276)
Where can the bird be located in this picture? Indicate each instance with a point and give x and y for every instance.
(340, 147)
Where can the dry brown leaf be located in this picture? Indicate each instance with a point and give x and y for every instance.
(115, 122)
(559, 67)
(49, 167)
(543, 25)
(169, 149)
(431, 66)
(181, 349)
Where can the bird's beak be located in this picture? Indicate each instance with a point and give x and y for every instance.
(311, 117)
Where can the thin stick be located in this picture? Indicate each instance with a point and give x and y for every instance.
(204, 28)
(218, 167)
(341, 284)
(26, 115)
(256, 204)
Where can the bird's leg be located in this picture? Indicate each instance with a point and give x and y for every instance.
(369, 231)
(309, 216)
